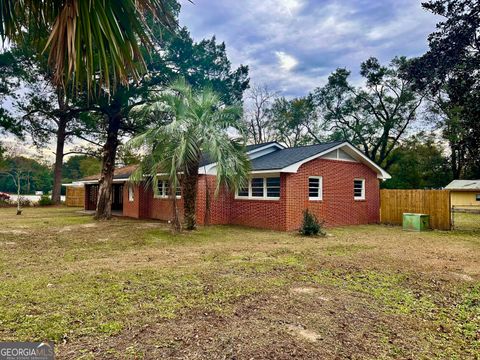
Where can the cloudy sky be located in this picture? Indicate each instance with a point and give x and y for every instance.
(293, 45)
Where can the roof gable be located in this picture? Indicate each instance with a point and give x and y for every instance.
(289, 156)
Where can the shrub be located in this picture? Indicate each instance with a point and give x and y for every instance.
(24, 202)
(5, 203)
(310, 225)
(45, 200)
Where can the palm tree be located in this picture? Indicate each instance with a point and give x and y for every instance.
(201, 125)
(89, 41)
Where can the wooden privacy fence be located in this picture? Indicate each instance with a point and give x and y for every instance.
(436, 203)
(75, 196)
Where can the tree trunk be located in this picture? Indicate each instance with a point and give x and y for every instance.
(104, 201)
(61, 135)
(190, 195)
(57, 172)
(19, 184)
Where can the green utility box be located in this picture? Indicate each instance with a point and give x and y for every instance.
(416, 222)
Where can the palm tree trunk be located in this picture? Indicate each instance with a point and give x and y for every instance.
(190, 195)
(206, 219)
(104, 201)
(176, 227)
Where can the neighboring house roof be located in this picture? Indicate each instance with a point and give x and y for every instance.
(464, 185)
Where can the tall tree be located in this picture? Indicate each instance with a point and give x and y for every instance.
(374, 117)
(418, 163)
(201, 64)
(450, 72)
(256, 115)
(200, 127)
(42, 108)
(294, 122)
(95, 43)
(11, 72)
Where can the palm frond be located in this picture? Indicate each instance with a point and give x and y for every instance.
(92, 42)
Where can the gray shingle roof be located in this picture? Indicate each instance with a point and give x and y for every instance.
(205, 160)
(275, 160)
(464, 185)
(285, 157)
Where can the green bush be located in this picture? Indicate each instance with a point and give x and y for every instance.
(45, 200)
(310, 225)
(24, 202)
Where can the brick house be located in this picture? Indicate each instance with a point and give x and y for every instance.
(336, 181)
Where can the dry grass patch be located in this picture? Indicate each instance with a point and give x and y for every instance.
(129, 289)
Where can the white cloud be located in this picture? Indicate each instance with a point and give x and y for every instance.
(292, 7)
(286, 62)
(293, 45)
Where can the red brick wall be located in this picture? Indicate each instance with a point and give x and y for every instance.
(131, 208)
(220, 205)
(338, 206)
(162, 209)
(270, 214)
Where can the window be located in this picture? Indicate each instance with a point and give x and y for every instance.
(359, 189)
(131, 193)
(257, 187)
(261, 188)
(164, 189)
(243, 192)
(273, 187)
(315, 188)
(477, 197)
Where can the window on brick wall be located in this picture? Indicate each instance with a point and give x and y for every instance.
(164, 189)
(273, 187)
(359, 189)
(257, 185)
(243, 192)
(315, 188)
(261, 188)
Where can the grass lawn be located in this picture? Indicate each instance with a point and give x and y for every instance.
(129, 289)
(466, 221)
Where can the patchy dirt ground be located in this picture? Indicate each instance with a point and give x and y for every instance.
(129, 289)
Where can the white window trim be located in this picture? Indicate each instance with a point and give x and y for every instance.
(264, 197)
(363, 189)
(131, 194)
(320, 188)
(164, 195)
